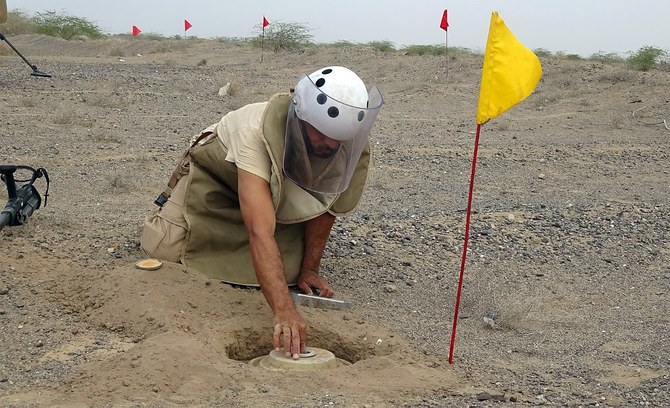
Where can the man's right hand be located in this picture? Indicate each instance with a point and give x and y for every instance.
(291, 333)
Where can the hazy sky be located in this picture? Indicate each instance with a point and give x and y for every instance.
(581, 27)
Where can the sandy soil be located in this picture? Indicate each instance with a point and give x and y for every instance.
(567, 281)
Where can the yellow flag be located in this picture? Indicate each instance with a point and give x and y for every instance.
(509, 74)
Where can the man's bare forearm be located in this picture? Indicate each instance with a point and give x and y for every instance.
(270, 273)
(317, 232)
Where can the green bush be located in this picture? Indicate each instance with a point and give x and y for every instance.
(342, 44)
(383, 46)
(602, 56)
(284, 36)
(645, 58)
(417, 49)
(64, 26)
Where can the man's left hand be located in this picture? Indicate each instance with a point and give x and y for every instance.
(309, 280)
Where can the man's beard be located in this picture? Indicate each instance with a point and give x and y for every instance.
(323, 152)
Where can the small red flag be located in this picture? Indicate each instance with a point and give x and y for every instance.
(444, 24)
(265, 22)
(187, 25)
(136, 31)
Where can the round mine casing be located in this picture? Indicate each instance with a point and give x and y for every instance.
(313, 359)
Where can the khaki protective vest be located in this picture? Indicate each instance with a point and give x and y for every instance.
(217, 243)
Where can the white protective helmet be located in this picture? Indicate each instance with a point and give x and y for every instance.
(335, 102)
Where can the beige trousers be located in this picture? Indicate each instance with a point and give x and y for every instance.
(165, 229)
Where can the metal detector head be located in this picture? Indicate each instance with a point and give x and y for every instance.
(36, 72)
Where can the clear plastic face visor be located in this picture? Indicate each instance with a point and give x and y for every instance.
(323, 163)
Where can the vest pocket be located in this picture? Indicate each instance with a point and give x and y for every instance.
(162, 239)
(165, 229)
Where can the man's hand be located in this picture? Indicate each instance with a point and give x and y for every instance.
(291, 332)
(309, 280)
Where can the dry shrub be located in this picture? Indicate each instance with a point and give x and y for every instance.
(161, 48)
(64, 118)
(164, 47)
(116, 52)
(28, 102)
(502, 125)
(5, 50)
(18, 22)
(112, 97)
(119, 183)
(69, 118)
(234, 88)
(616, 76)
(546, 99)
(619, 120)
(108, 100)
(497, 310)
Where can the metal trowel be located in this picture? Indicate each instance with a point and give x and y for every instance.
(319, 302)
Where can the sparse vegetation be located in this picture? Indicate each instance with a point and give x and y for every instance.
(234, 88)
(646, 58)
(65, 26)
(17, 23)
(383, 46)
(154, 36)
(602, 56)
(287, 36)
(237, 41)
(418, 49)
(116, 52)
(342, 44)
(284, 36)
(615, 77)
(542, 53)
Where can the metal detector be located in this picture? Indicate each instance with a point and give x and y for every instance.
(23, 201)
(36, 72)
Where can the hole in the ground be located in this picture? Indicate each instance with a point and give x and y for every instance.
(250, 343)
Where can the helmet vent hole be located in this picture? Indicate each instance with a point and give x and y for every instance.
(321, 99)
(361, 114)
(326, 71)
(320, 82)
(333, 112)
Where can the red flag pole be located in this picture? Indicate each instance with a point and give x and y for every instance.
(446, 54)
(444, 24)
(264, 24)
(465, 246)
